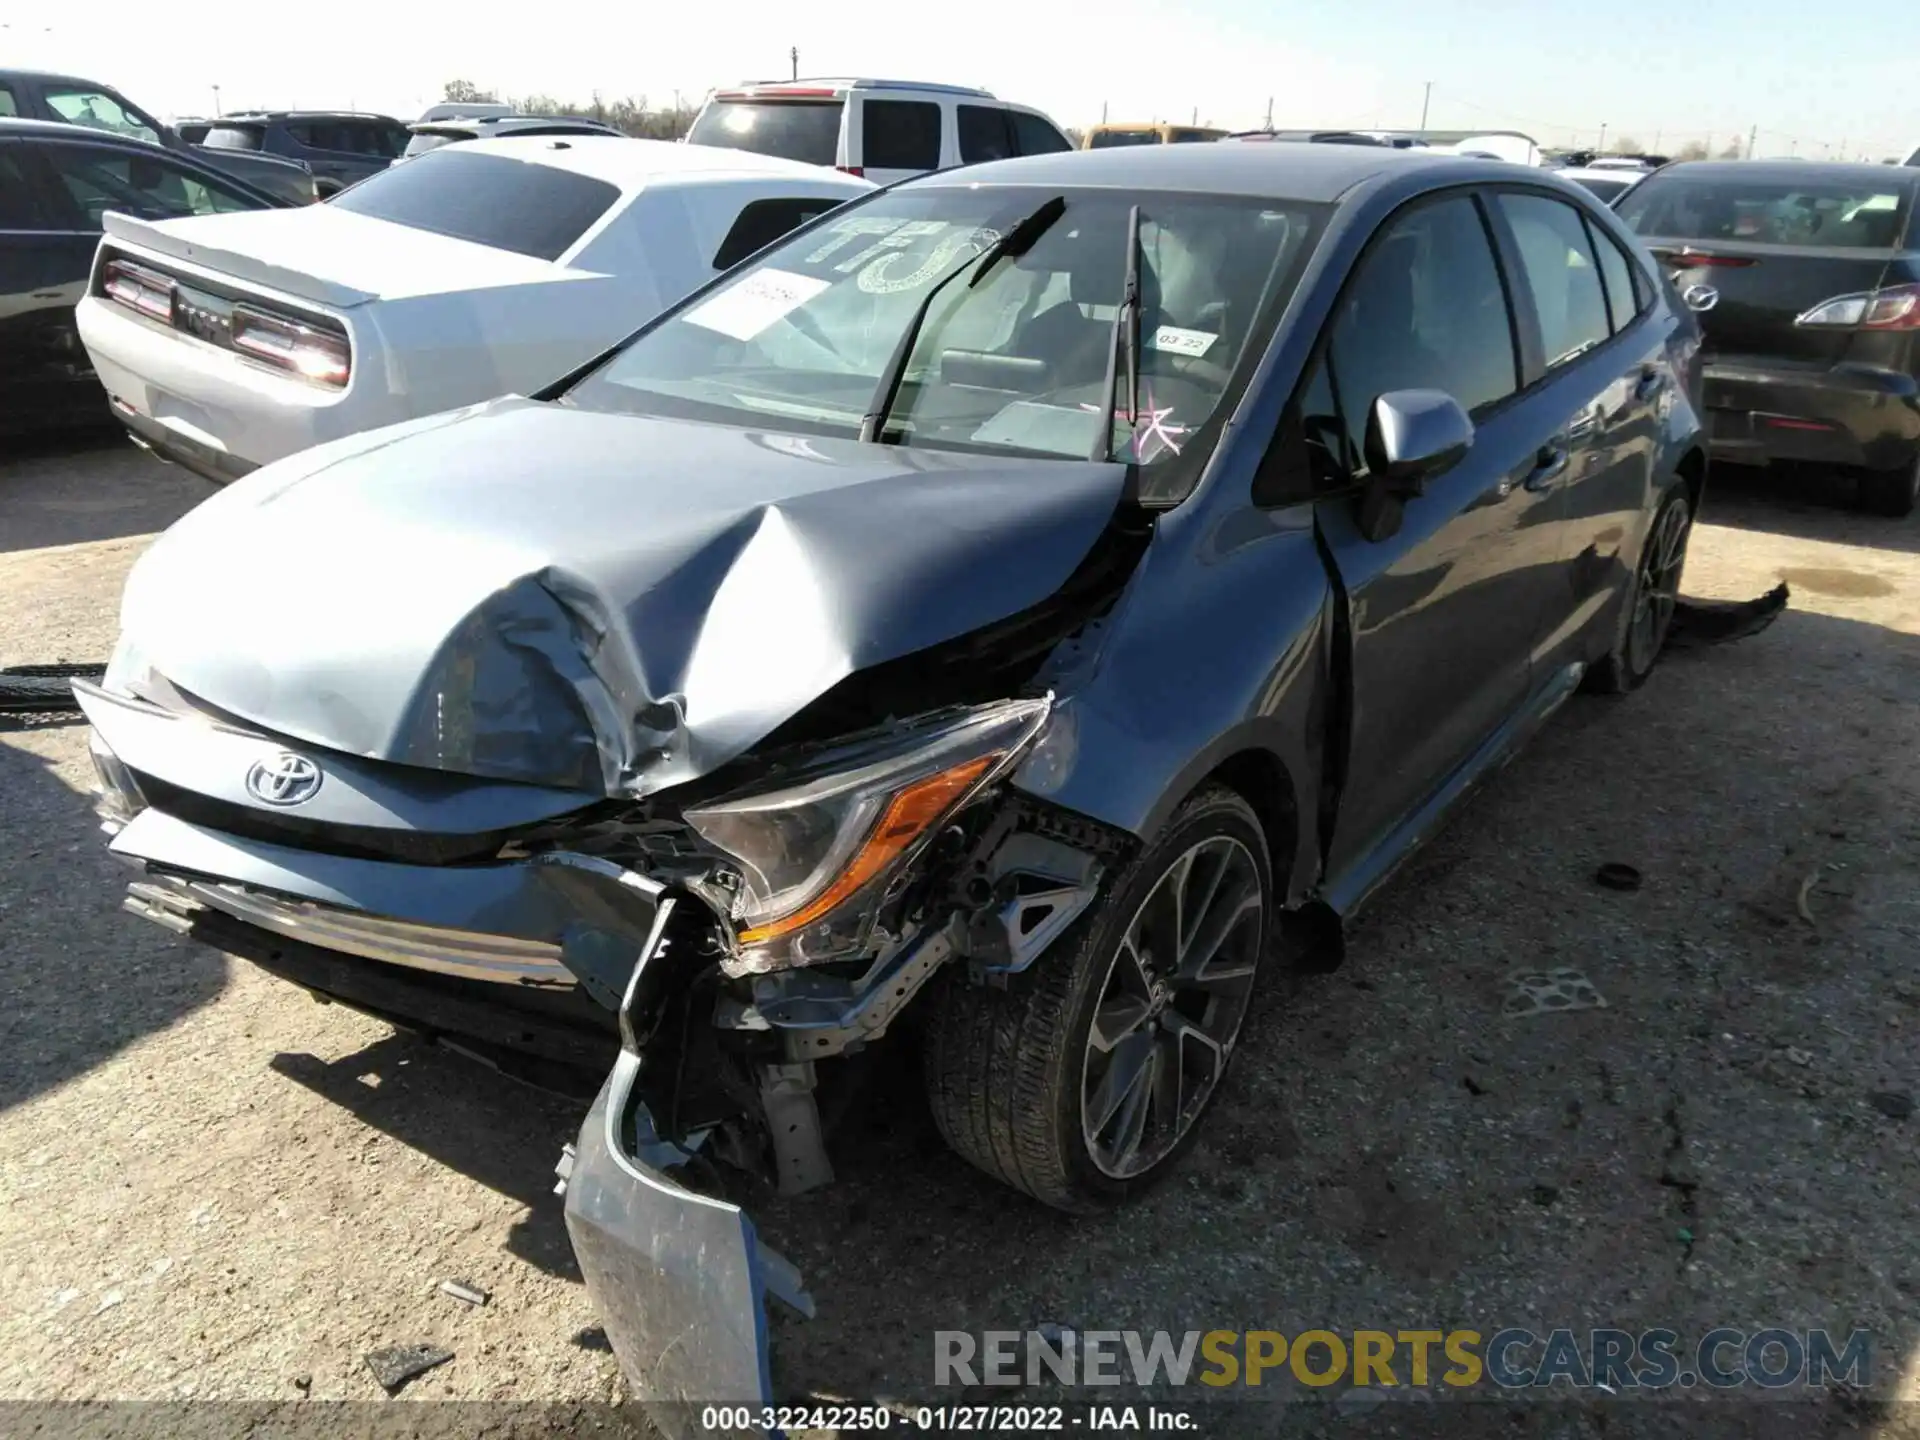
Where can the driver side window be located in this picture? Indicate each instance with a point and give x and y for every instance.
(1426, 310)
(150, 187)
(99, 110)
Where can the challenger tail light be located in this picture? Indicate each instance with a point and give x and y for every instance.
(1895, 308)
(318, 355)
(146, 291)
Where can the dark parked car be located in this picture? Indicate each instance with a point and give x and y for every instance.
(1807, 277)
(432, 134)
(1017, 596)
(56, 181)
(338, 146)
(70, 100)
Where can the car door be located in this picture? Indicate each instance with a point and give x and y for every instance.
(1035, 134)
(984, 133)
(1603, 377)
(143, 181)
(46, 253)
(1444, 613)
(899, 139)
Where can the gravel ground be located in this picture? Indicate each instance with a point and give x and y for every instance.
(215, 1188)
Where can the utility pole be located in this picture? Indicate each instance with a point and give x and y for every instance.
(1752, 135)
(1656, 140)
(1426, 103)
(1603, 137)
(216, 102)
(1269, 112)
(1103, 112)
(793, 55)
(1196, 116)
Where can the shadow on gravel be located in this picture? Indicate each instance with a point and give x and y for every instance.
(491, 1129)
(88, 486)
(79, 980)
(1806, 502)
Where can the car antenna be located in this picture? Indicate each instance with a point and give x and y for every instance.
(1126, 336)
(1017, 241)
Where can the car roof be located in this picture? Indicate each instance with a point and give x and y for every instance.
(250, 115)
(42, 76)
(1786, 172)
(1587, 172)
(487, 126)
(633, 164)
(1284, 170)
(849, 82)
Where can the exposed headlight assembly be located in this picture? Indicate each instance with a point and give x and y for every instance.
(818, 855)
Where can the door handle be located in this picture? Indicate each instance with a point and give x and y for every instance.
(1549, 464)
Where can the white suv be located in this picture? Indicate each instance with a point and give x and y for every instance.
(885, 130)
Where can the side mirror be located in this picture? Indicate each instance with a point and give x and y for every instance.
(1413, 435)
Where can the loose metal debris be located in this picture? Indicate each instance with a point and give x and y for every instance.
(471, 1294)
(394, 1366)
(1535, 992)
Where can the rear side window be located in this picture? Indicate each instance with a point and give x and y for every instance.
(806, 130)
(1559, 271)
(1034, 136)
(529, 209)
(1831, 214)
(900, 135)
(1426, 310)
(8, 105)
(235, 137)
(1182, 136)
(983, 134)
(764, 221)
(1617, 272)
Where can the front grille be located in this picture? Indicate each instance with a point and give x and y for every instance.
(358, 842)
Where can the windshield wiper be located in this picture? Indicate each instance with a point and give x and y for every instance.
(1126, 336)
(1017, 241)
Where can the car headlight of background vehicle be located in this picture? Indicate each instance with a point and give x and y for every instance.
(817, 855)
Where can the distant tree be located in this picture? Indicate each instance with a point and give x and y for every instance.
(1626, 146)
(465, 92)
(1692, 150)
(1732, 150)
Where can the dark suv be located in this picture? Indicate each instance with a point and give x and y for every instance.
(340, 147)
(71, 100)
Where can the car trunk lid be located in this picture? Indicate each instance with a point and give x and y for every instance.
(1762, 290)
(328, 257)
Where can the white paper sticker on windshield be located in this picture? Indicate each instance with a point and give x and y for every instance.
(1176, 341)
(750, 305)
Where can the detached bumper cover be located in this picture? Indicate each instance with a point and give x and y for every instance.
(679, 1279)
(1760, 410)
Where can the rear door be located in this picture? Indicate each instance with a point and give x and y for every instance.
(899, 138)
(46, 251)
(1035, 134)
(984, 133)
(1601, 380)
(1445, 612)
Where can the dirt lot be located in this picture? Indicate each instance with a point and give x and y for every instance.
(214, 1188)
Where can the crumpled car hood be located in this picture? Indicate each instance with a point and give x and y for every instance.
(612, 603)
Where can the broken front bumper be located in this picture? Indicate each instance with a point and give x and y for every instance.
(680, 1279)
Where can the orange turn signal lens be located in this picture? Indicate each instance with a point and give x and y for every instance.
(905, 819)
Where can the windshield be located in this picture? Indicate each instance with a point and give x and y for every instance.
(799, 339)
(805, 130)
(1829, 214)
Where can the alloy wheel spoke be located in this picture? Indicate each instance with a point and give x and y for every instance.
(1228, 914)
(1126, 1072)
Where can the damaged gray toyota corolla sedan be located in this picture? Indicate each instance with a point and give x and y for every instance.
(1007, 601)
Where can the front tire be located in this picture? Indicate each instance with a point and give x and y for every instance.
(1646, 615)
(1893, 493)
(1084, 1080)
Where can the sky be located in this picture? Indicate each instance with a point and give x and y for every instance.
(1708, 70)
